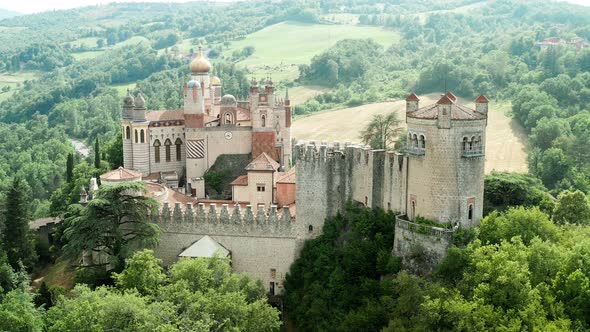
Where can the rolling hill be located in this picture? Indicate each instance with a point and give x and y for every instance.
(505, 145)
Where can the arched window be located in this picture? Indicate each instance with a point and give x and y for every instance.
(264, 120)
(168, 144)
(310, 228)
(136, 136)
(471, 143)
(178, 143)
(142, 136)
(157, 151)
(127, 132)
(228, 118)
(422, 142)
(415, 140)
(465, 144)
(470, 213)
(478, 144)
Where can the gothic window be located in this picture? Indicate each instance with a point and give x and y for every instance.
(264, 120)
(464, 144)
(470, 213)
(415, 141)
(142, 136)
(168, 144)
(471, 143)
(127, 132)
(422, 144)
(228, 118)
(157, 151)
(178, 143)
(136, 136)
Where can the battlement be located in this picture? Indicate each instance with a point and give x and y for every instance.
(325, 151)
(226, 221)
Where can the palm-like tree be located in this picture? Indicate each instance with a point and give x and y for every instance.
(382, 131)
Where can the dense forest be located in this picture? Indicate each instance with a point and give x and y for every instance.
(524, 268)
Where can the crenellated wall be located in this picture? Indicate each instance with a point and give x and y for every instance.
(259, 240)
(329, 175)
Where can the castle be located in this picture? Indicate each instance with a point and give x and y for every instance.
(274, 209)
(167, 144)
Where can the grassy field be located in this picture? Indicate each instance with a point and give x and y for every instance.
(86, 55)
(302, 93)
(505, 144)
(281, 47)
(122, 88)
(13, 81)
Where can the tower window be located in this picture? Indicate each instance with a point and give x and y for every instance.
(260, 188)
(264, 121)
(228, 118)
(136, 136)
(178, 143)
(470, 213)
(310, 228)
(168, 144)
(422, 142)
(127, 132)
(157, 151)
(142, 136)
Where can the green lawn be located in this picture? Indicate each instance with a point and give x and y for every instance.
(133, 41)
(13, 81)
(86, 55)
(281, 47)
(122, 88)
(89, 42)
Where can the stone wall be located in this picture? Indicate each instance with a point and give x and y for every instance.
(421, 247)
(259, 239)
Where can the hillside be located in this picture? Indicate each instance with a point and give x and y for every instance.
(4, 13)
(505, 145)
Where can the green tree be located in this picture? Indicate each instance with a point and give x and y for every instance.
(572, 207)
(113, 223)
(382, 131)
(18, 313)
(70, 167)
(527, 223)
(17, 238)
(142, 272)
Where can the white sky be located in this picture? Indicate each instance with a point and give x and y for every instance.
(35, 6)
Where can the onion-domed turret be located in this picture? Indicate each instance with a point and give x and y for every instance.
(139, 100)
(228, 100)
(128, 99)
(215, 80)
(200, 65)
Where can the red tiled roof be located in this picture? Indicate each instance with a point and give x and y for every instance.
(120, 174)
(165, 115)
(458, 112)
(451, 96)
(287, 177)
(263, 163)
(445, 100)
(241, 180)
(481, 99)
(412, 97)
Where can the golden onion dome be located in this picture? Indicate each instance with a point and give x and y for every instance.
(215, 80)
(200, 64)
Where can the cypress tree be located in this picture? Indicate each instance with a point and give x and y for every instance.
(18, 241)
(70, 168)
(97, 161)
(96, 155)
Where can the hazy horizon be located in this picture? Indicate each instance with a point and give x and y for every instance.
(36, 6)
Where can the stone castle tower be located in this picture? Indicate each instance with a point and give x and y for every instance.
(446, 160)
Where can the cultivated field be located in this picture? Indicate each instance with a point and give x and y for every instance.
(279, 48)
(505, 145)
(14, 82)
